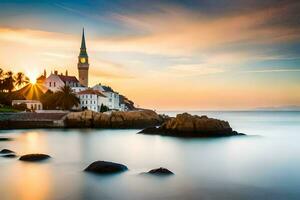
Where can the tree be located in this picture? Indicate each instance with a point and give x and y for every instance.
(1, 80)
(1, 73)
(66, 98)
(21, 79)
(9, 81)
(48, 100)
(104, 108)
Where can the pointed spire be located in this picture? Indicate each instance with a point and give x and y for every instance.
(83, 52)
(83, 47)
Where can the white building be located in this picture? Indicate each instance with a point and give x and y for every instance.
(113, 97)
(31, 104)
(92, 99)
(55, 81)
(79, 89)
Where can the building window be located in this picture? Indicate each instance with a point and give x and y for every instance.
(86, 102)
(49, 84)
(54, 84)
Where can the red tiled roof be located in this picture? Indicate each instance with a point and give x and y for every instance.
(68, 78)
(91, 91)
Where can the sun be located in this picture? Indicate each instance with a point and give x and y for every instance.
(32, 75)
(32, 78)
(32, 81)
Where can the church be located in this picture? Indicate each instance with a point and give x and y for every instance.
(55, 81)
(91, 98)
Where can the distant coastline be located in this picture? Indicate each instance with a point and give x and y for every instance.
(275, 108)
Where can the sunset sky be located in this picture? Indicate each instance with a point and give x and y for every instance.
(164, 54)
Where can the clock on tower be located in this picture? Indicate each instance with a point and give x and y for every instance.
(83, 63)
(82, 60)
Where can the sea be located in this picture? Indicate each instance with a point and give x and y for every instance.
(265, 164)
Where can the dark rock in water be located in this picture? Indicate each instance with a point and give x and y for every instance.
(186, 125)
(104, 167)
(160, 171)
(12, 155)
(3, 151)
(5, 139)
(34, 157)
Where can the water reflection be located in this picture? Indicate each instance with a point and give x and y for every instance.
(34, 142)
(225, 168)
(34, 181)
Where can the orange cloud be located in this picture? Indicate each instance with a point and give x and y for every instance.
(179, 31)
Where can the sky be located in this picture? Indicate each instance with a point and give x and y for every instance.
(164, 54)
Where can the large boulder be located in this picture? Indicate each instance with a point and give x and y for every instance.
(115, 119)
(104, 167)
(34, 157)
(80, 119)
(186, 125)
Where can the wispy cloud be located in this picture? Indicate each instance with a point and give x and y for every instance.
(37, 38)
(193, 70)
(271, 71)
(67, 8)
(57, 55)
(179, 31)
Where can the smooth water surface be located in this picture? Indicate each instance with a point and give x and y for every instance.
(263, 165)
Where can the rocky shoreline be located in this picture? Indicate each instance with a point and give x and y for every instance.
(130, 120)
(183, 125)
(186, 125)
(136, 119)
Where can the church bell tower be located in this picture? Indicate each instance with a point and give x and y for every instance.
(83, 63)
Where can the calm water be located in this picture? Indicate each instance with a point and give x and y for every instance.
(263, 165)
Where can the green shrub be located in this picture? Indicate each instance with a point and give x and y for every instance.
(21, 106)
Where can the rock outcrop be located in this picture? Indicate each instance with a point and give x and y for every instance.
(116, 119)
(186, 125)
(104, 167)
(160, 171)
(34, 157)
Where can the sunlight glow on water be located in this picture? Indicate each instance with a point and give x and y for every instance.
(263, 165)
